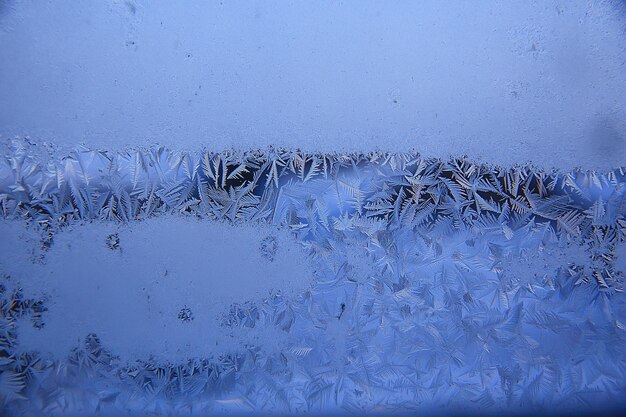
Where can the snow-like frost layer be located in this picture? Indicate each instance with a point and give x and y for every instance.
(506, 82)
(131, 295)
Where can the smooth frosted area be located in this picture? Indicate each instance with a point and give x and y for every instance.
(131, 296)
(504, 82)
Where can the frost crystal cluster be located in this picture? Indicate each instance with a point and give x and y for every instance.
(439, 284)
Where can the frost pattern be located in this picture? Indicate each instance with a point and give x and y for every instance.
(438, 283)
(185, 314)
(269, 246)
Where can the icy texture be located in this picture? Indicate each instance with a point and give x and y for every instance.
(438, 284)
(132, 285)
(504, 82)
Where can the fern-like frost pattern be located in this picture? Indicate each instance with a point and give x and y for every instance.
(439, 284)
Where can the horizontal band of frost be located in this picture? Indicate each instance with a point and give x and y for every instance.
(273, 185)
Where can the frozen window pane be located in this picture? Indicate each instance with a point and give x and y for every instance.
(298, 207)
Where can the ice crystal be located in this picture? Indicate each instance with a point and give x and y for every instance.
(113, 241)
(185, 314)
(438, 283)
(269, 246)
